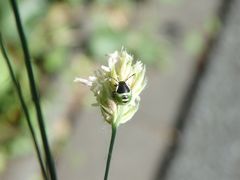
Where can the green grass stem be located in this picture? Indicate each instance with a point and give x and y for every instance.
(34, 92)
(24, 107)
(114, 132)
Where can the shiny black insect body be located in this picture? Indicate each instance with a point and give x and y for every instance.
(122, 94)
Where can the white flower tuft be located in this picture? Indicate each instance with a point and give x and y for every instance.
(104, 83)
(83, 81)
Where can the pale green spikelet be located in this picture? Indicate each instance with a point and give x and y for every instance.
(121, 67)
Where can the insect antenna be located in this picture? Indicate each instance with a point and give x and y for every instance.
(130, 77)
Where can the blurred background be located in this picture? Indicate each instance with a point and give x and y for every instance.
(69, 38)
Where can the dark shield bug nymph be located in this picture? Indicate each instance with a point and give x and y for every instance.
(122, 94)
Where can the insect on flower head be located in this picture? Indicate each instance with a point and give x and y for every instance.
(117, 87)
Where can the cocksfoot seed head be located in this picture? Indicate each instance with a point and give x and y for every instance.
(117, 87)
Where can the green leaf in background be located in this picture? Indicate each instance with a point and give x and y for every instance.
(4, 77)
(3, 160)
(31, 11)
(194, 43)
(212, 25)
(21, 145)
(150, 51)
(55, 60)
(105, 41)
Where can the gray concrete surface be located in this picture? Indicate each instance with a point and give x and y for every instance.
(210, 146)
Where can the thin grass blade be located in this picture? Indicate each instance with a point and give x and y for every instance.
(34, 92)
(24, 107)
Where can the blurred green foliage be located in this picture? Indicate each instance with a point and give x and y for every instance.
(58, 31)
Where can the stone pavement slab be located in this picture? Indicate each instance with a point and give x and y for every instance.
(210, 145)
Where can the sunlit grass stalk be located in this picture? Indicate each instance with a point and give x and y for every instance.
(117, 88)
(49, 160)
(24, 107)
(114, 132)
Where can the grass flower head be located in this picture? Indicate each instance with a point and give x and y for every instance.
(117, 87)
